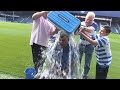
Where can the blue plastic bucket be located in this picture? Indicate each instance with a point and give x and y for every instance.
(29, 73)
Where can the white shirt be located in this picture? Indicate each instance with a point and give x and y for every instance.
(41, 31)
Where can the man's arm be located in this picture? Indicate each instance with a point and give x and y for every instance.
(55, 31)
(93, 42)
(81, 29)
(91, 29)
(88, 29)
(39, 14)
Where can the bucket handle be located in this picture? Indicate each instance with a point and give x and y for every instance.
(62, 17)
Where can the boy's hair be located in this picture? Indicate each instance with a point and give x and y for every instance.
(107, 28)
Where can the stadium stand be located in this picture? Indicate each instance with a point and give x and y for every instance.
(102, 20)
(25, 17)
(16, 16)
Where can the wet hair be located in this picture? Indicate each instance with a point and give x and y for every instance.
(107, 28)
(63, 33)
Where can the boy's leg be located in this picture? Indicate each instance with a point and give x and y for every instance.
(105, 72)
(101, 71)
(98, 71)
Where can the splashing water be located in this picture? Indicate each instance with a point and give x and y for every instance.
(52, 66)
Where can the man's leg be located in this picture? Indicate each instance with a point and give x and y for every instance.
(37, 56)
(88, 56)
(41, 58)
(65, 67)
(81, 51)
(35, 51)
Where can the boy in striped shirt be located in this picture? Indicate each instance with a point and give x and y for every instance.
(103, 51)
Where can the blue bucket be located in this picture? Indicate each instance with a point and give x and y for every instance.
(30, 73)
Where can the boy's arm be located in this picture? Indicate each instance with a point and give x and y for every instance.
(39, 14)
(93, 42)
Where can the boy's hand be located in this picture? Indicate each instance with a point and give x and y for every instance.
(81, 29)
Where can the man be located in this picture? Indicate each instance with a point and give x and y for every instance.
(84, 46)
(103, 51)
(41, 31)
(65, 57)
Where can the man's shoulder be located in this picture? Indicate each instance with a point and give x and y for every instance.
(58, 46)
(38, 20)
(94, 23)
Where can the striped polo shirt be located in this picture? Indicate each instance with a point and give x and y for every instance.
(103, 51)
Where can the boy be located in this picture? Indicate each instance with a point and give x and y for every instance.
(103, 51)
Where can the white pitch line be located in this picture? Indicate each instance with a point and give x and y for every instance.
(6, 76)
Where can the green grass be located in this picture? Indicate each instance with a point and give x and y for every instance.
(15, 51)
(115, 65)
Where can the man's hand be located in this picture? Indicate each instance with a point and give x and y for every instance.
(39, 14)
(45, 13)
(57, 30)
